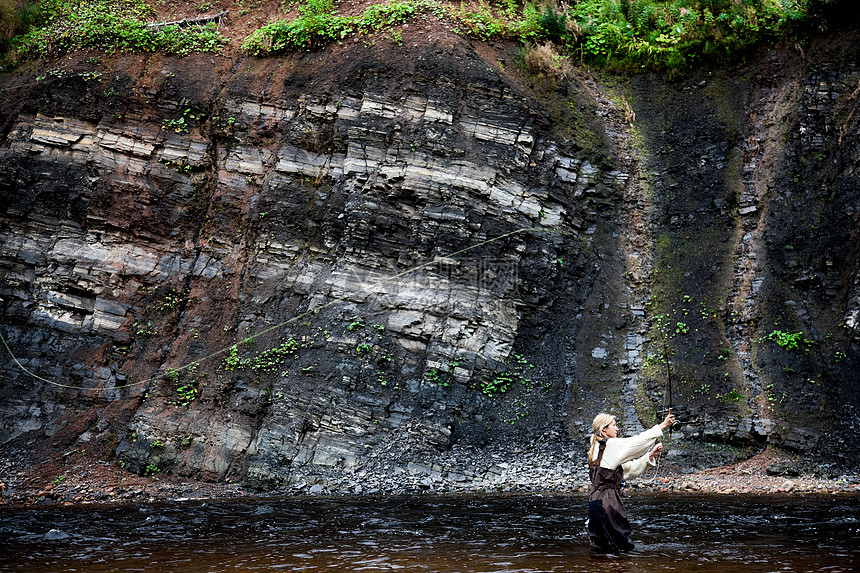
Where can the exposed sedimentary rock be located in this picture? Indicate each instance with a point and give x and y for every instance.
(284, 287)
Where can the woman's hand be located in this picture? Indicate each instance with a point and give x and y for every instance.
(655, 451)
(664, 425)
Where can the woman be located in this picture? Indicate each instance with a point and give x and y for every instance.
(610, 461)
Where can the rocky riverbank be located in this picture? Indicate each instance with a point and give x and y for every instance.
(78, 477)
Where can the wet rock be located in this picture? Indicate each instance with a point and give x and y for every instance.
(55, 535)
(784, 468)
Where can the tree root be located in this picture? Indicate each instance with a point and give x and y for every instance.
(199, 21)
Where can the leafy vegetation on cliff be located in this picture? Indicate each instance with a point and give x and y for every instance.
(620, 34)
(673, 34)
(58, 26)
(317, 24)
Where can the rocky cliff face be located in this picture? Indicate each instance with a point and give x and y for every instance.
(353, 263)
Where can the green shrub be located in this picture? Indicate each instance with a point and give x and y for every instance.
(379, 16)
(16, 18)
(554, 26)
(105, 25)
(317, 25)
(623, 34)
(528, 29)
(676, 33)
(483, 23)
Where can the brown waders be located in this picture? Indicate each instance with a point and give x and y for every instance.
(608, 527)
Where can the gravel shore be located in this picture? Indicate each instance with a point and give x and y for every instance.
(77, 478)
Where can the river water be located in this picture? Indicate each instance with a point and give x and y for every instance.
(457, 534)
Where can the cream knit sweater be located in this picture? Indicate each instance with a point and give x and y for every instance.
(630, 453)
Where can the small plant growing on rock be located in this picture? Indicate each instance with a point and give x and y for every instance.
(501, 382)
(233, 362)
(146, 329)
(384, 359)
(434, 377)
(171, 301)
(269, 360)
(731, 396)
(181, 166)
(787, 340)
(703, 389)
(498, 384)
(380, 377)
(187, 394)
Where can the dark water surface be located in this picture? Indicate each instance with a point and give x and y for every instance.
(441, 534)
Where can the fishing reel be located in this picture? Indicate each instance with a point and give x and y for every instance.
(676, 425)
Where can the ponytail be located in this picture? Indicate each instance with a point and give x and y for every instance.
(600, 421)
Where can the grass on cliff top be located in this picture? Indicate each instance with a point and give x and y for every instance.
(618, 34)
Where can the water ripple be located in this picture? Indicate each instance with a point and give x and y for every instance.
(465, 534)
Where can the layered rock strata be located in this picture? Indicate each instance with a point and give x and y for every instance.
(354, 276)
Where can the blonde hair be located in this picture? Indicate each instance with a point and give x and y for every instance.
(600, 422)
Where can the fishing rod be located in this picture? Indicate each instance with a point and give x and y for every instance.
(676, 425)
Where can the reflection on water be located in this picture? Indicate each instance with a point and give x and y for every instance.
(440, 534)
